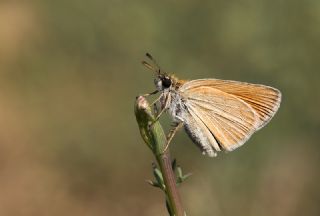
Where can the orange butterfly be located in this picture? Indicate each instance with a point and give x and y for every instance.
(216, 114)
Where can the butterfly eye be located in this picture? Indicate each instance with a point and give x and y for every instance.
(166, 82)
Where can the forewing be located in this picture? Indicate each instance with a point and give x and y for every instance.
(265, 100)
(230, 120)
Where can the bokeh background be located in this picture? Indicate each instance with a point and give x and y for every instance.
(69, 74)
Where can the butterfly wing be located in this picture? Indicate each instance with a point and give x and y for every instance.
(228, 110)
(265, 100)
(200, 134)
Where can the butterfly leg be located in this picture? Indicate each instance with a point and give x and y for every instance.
(151, 93)
(157, 117)
(155, 101)
(171, 134)
(164, 106)
(159, 114)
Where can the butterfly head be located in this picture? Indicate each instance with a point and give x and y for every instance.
(163, 80)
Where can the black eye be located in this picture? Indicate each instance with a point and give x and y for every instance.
(166, 82)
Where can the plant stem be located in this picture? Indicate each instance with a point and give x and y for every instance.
(164, 162)
(155, 138)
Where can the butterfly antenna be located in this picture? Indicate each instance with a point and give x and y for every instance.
(158, 70)
(147, 65)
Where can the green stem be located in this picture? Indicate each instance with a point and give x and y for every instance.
(164, 162)
(155, 138)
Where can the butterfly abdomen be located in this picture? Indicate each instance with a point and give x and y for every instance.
(198, 137)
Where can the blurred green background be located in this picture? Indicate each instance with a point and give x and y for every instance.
(70, 71)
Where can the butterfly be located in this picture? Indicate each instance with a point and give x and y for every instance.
(218, 115)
